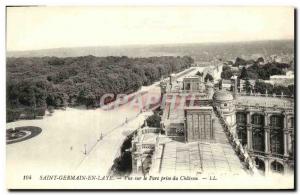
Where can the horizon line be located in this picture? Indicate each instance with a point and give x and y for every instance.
(152, 44)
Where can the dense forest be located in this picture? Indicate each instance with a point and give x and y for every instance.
(37, 83)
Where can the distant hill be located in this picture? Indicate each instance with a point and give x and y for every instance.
(199, 51)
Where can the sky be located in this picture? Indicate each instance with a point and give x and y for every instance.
(33, 28)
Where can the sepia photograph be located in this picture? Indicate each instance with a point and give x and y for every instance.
(150, 97)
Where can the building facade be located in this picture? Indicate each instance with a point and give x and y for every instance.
(143, 146)
(199, 124)
(260, 128)
(268, 134)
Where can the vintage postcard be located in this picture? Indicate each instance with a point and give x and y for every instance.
(157, 97)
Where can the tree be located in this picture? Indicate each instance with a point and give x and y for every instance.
(244, 74)
(252, 75)
(226, 68)
(260, 60)
(226, 74)
(53, 81)
(261, 87)
(55, 61)
(291, 90)
(199, 74)
(208, 77)
(240, 61)
(248, 86)
(154, 120)
(276, 71)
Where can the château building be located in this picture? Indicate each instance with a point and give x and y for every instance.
(255, 131)
(266, 126)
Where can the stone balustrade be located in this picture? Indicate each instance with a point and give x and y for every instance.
(241, 152)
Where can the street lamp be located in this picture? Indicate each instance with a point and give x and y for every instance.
(85, 149)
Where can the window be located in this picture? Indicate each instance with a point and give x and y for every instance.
(276, 141)
(225, 104)
(277, 167)
(291, 122)
(180, 131)
(292, 148)
(258, 119)
(241, 118)
(276, 121)
(260, 164)
(242, 135)
(188, 86)
(258, 140)
(241, 127)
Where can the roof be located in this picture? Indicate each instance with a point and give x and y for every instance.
(149, 138)
(208, 156)
(226, 81)
(198, 108)
(222, 96)
(191, 78)
(264, 101)
(282, 77)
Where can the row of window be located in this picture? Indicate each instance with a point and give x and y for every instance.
(195, 86)
(276, 121)
(258, 139)
(275, 166)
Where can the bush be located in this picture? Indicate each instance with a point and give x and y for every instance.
(154, 120)
(12, 114)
